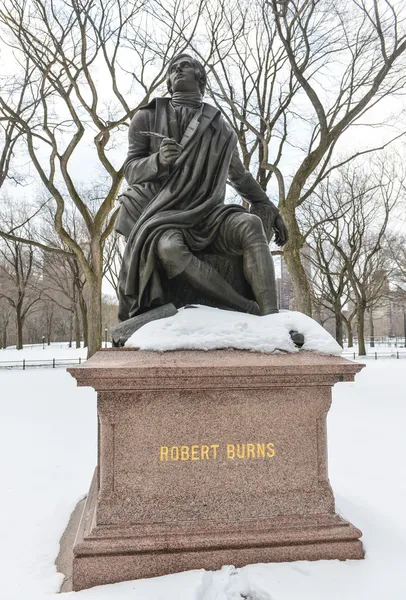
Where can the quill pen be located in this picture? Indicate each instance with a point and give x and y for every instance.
(159, 136)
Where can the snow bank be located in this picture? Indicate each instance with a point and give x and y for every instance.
(205, 328)
(47, 456)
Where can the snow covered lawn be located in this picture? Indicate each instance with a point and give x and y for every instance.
(39, 352)
(48, 453)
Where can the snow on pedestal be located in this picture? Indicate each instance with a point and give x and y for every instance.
(206, 328)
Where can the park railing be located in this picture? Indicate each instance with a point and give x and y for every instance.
(374, 355)
(52, 363)
(379, 341)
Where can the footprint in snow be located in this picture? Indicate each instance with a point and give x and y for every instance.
(230, 584)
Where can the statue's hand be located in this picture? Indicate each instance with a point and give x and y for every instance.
(169, 151)
(281, 233)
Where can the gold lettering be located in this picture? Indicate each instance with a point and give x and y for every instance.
(184, 452)
(230, 451)
(214, 448)
(250, 451)
(207, 452)
(163, 453)
(261, 450)
(241, 450)
(270, 450)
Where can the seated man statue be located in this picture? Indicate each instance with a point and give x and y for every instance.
(181, 154)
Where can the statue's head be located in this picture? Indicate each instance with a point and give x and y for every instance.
(186, 74)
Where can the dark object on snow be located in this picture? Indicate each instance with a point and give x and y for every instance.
(297, 338)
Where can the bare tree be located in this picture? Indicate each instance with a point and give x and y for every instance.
(17, 90)
(349, 237)
(368, 40)
(62, 285)
(348, 318)
(296, 75)
(18, 275)
(84, 57)
(396, 244)
(64, 281)
(113, 257)
(323, 221)
(268, 62)
(329, 281)
(5, 317)
(397, 250)
(250, 81)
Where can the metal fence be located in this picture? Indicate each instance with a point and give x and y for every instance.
(377, 340)
(374, 355)
(52, 363)
(55, 363)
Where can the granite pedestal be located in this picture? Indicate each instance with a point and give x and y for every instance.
(209, 458)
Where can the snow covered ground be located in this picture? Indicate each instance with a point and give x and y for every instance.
(38, 351)
(379, 350)
(47, 456)
(36, 355)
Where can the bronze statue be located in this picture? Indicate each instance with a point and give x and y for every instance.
(181, 154)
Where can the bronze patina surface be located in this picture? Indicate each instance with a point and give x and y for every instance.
(184, 244)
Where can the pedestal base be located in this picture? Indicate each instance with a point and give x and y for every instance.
(110, 554)
(207, 459)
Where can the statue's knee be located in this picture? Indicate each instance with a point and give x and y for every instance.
(255, 224)
(252, 230)
(173, 253)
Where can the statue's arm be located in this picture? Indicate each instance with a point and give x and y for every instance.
(249, 189)
(246, 186)
(141, 164)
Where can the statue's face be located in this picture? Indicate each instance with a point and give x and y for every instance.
(183, 77)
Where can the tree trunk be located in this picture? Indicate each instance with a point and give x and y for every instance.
(83, 312)
(348, 324)
(94, 306)
(317, 313)
(301, 288)
(339, 325)
(300, 283)
(76, 316)
(361, 330)
(94, 315)
(371, 329)
(70, 328)
(77, 327)
(350, 335)
(49, 328)
(4, 337)
(19, 328)
(85, 327)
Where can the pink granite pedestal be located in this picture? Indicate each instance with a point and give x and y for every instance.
(209, 458)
